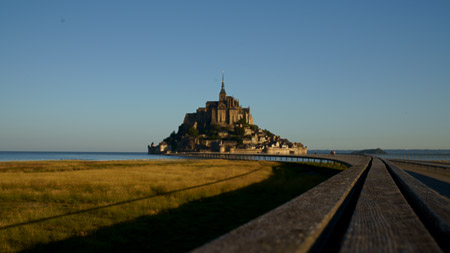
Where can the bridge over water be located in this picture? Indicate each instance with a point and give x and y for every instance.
(374, 205)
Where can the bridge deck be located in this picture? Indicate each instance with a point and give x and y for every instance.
(436, 171)
(368, 207)
(383, 219)
(432, 207)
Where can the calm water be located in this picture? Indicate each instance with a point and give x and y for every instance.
(427, 155)
(90, 156)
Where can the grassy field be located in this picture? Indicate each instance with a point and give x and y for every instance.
(158, 206)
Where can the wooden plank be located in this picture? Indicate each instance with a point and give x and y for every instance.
(296, 225)
(443, 166)
(383, 221)
(438, 173)
(432, 207)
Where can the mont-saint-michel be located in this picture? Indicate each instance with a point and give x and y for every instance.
(226, 127)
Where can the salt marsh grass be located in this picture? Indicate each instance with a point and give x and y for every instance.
(50, 201)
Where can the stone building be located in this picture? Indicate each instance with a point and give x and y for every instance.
(225, 112)
(224, 126)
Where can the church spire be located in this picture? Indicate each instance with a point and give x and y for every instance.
(223, 94)
(223, 80)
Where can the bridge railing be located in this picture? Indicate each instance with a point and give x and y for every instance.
(441, 157)
(303, 223)
(432, 208)
(271, 157)
(356, 210)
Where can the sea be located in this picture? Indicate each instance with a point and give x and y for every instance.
(409, 154)
(88, 156)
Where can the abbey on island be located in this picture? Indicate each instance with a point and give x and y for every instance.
(224, 126)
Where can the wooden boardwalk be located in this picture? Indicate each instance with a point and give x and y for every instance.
(383, 220)
(374, 206)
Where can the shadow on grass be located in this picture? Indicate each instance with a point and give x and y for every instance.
(123, 202)
(195, 223)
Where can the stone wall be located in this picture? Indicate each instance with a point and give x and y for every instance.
(286, 151)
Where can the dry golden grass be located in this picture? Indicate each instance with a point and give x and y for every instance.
(31, 192)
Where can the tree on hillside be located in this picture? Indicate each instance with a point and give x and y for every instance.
(193, 131)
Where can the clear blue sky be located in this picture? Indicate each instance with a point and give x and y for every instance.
(117, 75)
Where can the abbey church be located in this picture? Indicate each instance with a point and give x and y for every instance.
(225, 112)
(224, 126)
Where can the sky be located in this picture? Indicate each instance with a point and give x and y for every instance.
(118, 75)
